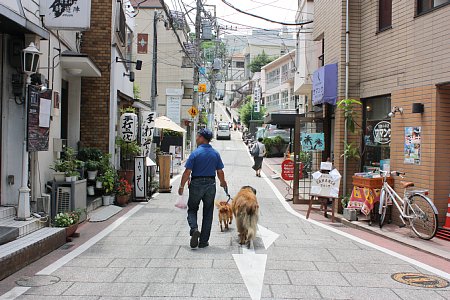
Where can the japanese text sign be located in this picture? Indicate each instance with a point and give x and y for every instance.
(128, 127)
(66, 14)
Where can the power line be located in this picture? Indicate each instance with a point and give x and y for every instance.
(263, 18)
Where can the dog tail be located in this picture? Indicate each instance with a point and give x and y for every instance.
(251, 223)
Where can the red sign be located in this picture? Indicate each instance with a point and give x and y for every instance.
(287, 170)
(142, 43)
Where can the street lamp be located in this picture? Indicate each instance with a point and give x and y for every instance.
(30, 62)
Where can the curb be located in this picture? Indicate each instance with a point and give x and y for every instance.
(350, 224)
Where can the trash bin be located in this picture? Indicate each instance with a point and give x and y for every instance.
(164, 173)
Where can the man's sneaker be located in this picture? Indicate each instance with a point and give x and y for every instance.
(203, 245)
(194, 238)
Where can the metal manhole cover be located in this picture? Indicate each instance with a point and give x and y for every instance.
(420, 280)
(37, 280)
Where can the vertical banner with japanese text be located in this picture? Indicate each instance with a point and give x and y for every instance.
(147, 129)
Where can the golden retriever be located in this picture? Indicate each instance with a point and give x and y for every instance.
(246, 211)
(225, 214)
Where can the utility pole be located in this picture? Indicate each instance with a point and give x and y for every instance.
(198, 22)
(154, 90)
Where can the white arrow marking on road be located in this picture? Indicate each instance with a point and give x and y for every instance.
(267, 236)
(252, 268)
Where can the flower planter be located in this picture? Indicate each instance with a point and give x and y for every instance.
(122, 200)
(126, 174)
(92, 174)
(59, 176)
(68, 178)
(74, 178)
(106, 200)
(98, 184)
(90, 190)
(71, 230)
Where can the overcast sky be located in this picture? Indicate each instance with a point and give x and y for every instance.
(278, 10)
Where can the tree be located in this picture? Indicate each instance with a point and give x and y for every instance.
(259, 61)
(246, 112)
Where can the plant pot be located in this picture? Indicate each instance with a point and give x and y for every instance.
(71, 230)
(59, 176)
(92, 174)
(98, 184)
(74, 178)
(90, 190)
(68, 178)
(106, 200)
(112, 199)
(122, 200)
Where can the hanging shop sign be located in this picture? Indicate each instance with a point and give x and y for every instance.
(66, 14)
(324, 88)
(312, 141)
(38, 119)
(128, 127)
(382, 133)
(174, 108)
(147, 129)
(326, 185)
(412, 151)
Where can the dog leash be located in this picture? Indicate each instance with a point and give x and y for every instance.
(226, 193)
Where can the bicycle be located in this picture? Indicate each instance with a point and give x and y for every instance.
(415, 207)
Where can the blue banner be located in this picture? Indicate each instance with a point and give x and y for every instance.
(325, 82)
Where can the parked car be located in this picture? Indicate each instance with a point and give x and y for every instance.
(223, 131)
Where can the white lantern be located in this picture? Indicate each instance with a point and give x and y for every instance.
(30, 60)
(128, 127)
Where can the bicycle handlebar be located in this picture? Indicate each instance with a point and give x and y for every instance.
(395, 173)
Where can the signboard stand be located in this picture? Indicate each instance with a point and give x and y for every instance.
(324, 187)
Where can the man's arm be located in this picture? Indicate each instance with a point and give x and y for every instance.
(221, 176)
(184, 179)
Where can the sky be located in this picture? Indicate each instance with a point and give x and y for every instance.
(278, 10)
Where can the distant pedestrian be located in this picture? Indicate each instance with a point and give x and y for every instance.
(258, 151)
(201, 167)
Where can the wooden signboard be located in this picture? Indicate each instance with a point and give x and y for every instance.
(38, 119)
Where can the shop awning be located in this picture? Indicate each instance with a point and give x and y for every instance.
(324, 87)
(14, 23)
(166, 123)
(79, 64)
(282, 119)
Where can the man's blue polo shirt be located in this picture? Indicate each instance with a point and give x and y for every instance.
(204, 161)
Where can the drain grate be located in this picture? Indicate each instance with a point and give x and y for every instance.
(420, 280)
(38, 280)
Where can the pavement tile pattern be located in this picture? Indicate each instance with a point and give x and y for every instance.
(148, 256)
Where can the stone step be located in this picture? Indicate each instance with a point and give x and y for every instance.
(25, 227)
(7, 212)
(21, 252)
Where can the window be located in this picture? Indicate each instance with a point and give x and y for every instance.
(377, 133)
(240, 64)
(424, 6)
(385, 14)
(121, 23)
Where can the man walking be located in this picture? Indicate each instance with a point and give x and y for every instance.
(202, 166)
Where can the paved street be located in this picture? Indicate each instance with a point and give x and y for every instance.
(148, 256)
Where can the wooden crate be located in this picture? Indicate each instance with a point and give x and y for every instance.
(372, 183)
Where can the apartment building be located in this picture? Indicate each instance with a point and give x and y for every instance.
(172, 76)
(398, 65)
(277, 83)
(234, 76)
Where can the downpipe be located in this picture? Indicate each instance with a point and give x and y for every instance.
(347, 59)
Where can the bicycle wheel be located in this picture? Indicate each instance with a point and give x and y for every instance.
(382, 208)
(423, 217)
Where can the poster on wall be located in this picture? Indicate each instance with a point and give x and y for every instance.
(412, 145)
(313, 141)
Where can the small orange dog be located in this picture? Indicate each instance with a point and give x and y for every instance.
(246, 211)
(225, 214)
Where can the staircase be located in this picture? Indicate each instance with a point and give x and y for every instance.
(443, 233)
(22, 242)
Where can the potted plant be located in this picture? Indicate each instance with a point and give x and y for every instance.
(60, 168)
(92, 169)
(90, 190)
(69, 220)
(108, 180)
(123, 191)
(128, 150)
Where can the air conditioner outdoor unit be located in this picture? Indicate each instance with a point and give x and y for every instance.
(63, 199)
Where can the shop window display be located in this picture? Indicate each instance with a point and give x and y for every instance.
(377, 134)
